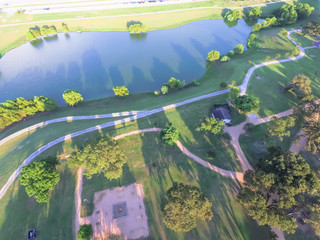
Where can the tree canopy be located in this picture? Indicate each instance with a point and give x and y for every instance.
(311, 130)
(85, 232)
(40, 178)
(212, 125)
(72, 97)
(169, 134)
(137, 28)
(247, 103)
(185, 205)
(232, 15)
(104, 156)
(239, 49)
(213, 56)
(272, 193)
(255, 12)
(300, 86)
(15, 110)
(303, 10)
(287, 15)
(121, 91)
(280, 127)
(313, 28)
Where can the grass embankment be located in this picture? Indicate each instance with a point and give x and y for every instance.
(13, 36)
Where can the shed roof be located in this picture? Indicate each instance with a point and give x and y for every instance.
(221, 114)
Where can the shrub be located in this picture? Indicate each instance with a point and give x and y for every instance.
(176, 83)
(30, 36)
(121, 91)
(278, 55)
(284, 33)
(157, 92)
(251, 40)
(211, 154)
(72, 97)
(64, 27)
(169, 135)
(269, 22)
(257, 27)
(164, 89)
(225, 58)
(213, 56)
(196, 83)
(85, 232)
(295, 51)
(239, 49)
(230, 53)
(223, 85)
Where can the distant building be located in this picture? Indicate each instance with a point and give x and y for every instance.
(222, 113)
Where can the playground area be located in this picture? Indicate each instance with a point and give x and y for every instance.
(119, 211)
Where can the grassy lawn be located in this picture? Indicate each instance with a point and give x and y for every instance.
(53, 220)
(157, 167)
(255, 144)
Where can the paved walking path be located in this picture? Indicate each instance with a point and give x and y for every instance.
(67, 119)
(244, 163)
(237, 176)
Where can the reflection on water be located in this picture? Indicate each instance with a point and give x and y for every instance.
(94, 62)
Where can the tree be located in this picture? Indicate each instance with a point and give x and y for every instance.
(296, 51)
(257, 27)
(311, 130)
(313, 28)
(212, 125)
(251, 40)
(137, 28)
(72, 97)
(121, 91)
(255, 12)
(278, 55)
(230, 53)
(213, 56)
(104, 156)
(272, 193)
(232, 15)
(287, 15)
(267, 58)
(40, 178)
(45, 103)
(64, 27)
(300, 85)
(44, 30)
(29, 36)
(164, 89)
(175, 83)
(233, 94)
(85, 232)
(239, 49)
(303, 10)
(35, 32)
(225, 59)
(185, 205)
(279, 127)
(169, 134)
(247, 103)
(269, 22)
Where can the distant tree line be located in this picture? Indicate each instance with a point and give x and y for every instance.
(45, 30)
(15, 110)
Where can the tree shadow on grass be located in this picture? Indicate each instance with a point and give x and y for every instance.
(53, 220)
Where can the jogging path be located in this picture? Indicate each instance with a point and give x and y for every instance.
(142, 114)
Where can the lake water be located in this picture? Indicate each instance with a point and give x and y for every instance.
(94, 62)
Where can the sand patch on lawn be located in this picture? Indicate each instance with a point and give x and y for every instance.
(119, 211)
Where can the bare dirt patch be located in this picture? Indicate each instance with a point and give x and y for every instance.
(119, 211)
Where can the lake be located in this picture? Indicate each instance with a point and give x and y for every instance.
(94, 62)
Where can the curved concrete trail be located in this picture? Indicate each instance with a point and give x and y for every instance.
(237, 176)
(67, 119)
(243, 88)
